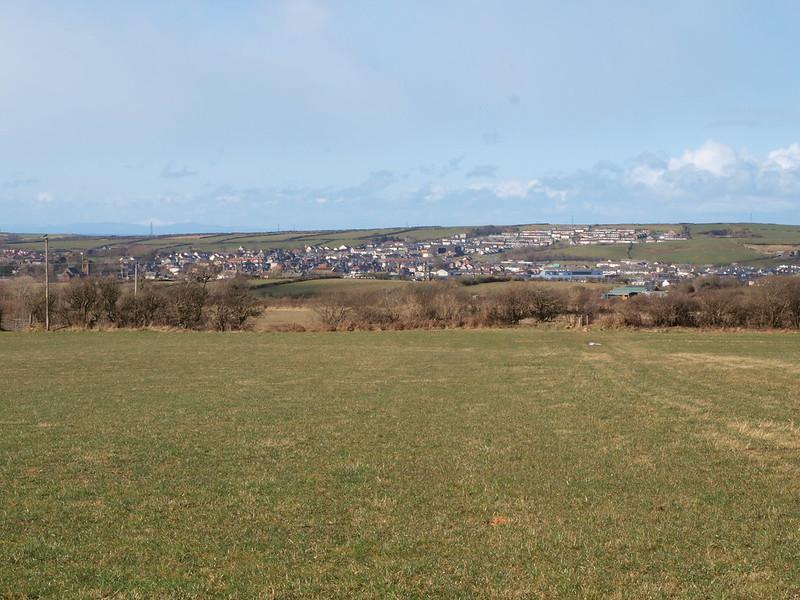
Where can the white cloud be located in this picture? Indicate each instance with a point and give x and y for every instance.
(645, 175)
(523, 189)
(787, 159)
(712, 181)
(712, 157)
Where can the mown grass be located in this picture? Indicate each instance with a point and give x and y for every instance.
(495, 463)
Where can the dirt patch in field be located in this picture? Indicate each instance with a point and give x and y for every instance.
(273, 319)
(784, 436)
(724, 361)
(767, 443)
(773, 248)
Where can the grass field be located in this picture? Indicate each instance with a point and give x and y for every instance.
(456, 464)
(701, 249)
(286, 318)
(315, 288)
(226, 242)
(309, 288)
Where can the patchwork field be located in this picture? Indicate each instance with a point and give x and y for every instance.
(747, 243)
(223, 242)
(493, 463)
(711, 243)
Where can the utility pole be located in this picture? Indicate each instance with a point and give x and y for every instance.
(135, 291)
(46, 284)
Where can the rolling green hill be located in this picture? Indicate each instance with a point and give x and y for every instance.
(710, 243)
(227, 241)
(741, 242)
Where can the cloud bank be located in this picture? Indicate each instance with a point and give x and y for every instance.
(713, 182)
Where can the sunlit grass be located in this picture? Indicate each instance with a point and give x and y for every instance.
(510, 463)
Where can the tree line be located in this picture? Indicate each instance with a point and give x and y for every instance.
(94, 302)
(709, 302)
(201, 303)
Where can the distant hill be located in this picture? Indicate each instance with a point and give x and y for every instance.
(710, 243)
(125, 229)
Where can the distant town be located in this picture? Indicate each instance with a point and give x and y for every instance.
(485, 252)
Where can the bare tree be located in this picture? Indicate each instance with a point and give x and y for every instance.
(232, 304)
(202, 274)
(332, 311)
(108, 296)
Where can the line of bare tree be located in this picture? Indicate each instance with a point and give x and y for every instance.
(770, 303)
(102, 302)
(201, 303)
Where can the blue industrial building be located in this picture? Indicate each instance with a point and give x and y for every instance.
(571, 274)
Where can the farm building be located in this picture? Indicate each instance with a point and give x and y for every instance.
(626, 291)
(571, 275)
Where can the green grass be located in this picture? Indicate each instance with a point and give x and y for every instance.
(699, 250)
(286, 318)
(310, 288)
(143, 464)
(315, 288)
(225, 242)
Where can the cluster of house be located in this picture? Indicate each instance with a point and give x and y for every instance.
(578, 236)
(441, 259)
(456, 255)
(638, 272)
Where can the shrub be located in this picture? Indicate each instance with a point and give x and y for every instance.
(672, 310)
(332, 311)
(231, 305)
(185, 302)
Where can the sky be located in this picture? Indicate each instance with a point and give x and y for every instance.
(315, 114)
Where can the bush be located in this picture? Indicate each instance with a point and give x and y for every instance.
(672, 310)
(184, 304)
(517, 304)
(332, 311)
(231, 305)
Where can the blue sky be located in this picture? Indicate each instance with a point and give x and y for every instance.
(321, 114)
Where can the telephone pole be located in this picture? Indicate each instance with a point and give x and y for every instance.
(46, 284)
(135, 279)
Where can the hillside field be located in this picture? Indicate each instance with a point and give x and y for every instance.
(460, 463)
(747, 243)
(223, 242)
(318, 288)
